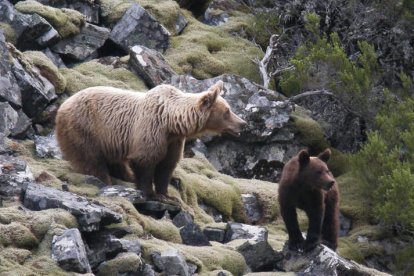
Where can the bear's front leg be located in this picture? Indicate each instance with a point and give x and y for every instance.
(165, 168)
(289, 216)
(330, 227)
(313, 236)
(143, 178)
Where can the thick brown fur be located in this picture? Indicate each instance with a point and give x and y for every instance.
(107, 131)
(307, 183)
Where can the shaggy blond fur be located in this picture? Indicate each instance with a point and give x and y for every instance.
(101, 130)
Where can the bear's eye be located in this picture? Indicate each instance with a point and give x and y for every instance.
(319, 172)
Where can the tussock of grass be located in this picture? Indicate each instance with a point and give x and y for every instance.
(67, 22)
(94, 73)
(9, 32)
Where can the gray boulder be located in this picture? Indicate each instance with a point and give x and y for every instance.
(171, 262)
(180, 24)
(22, 125)
(47, 147)
(150, 65)
(138, 27)
(14, 173)
(37, 91)
(191, 234)
(251, 242)
(8, 118)
(30, 31)
(90, 216)
(260, 151)
(55, 58)
(157, 209)
(183, 218)
(83, 45)
(322, 261)
(214, 234)
(9, 89)
(69, 251)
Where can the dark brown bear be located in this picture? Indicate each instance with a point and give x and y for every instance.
(308, 184)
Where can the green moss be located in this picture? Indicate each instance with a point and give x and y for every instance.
(16, 234)
(66, 21)
(349, 249)
(123, 263)
(9, 32)
(166, 11)
(113, 10)
(310, 133)
(202, 183)
(94, 73)
(206, 51)
(47, 68)
(339, 163)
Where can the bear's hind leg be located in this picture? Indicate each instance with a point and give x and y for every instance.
(330, 227)
(165, 168)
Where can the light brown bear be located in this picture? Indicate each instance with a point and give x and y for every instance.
(103, 131)
(307, 183)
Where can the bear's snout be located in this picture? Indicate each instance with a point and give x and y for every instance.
(236, 125)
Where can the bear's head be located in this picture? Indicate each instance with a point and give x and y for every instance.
(314, 170)
(220, 117)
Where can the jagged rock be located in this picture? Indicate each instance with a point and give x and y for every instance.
(87, 8)
(13, 173)
(171, 262)
(180, 24)
(104, 246)
(157, 209)
(90, 216)
(29, 31)
(214, 234)
(252, 208)
(150, 65)
(322, 261)
(260, 152)
(183, 218)
(84, 45)
(9, 89)
(251, 242)
(343, 129)
(8, 118)
(47, 147)
(55, 58)
(191, 234)
(138, 27)
(37, 91)
(69, 251)
(22, 125)
(134, 196)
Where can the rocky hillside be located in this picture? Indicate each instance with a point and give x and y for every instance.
(54, 221)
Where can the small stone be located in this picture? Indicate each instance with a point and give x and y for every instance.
(13, 174)
(171, 262)
(252, 207)
(214, 234)
(191, 234)
(8, 118)
(180, 24)
(157, 209)
(134, 196)
(47, 147)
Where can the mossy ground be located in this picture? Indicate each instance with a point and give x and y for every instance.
(9, 32)
(93, 73)
(66, 21)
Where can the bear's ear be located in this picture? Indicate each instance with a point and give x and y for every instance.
(304, 157)
(324, 156)
(210, 96)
